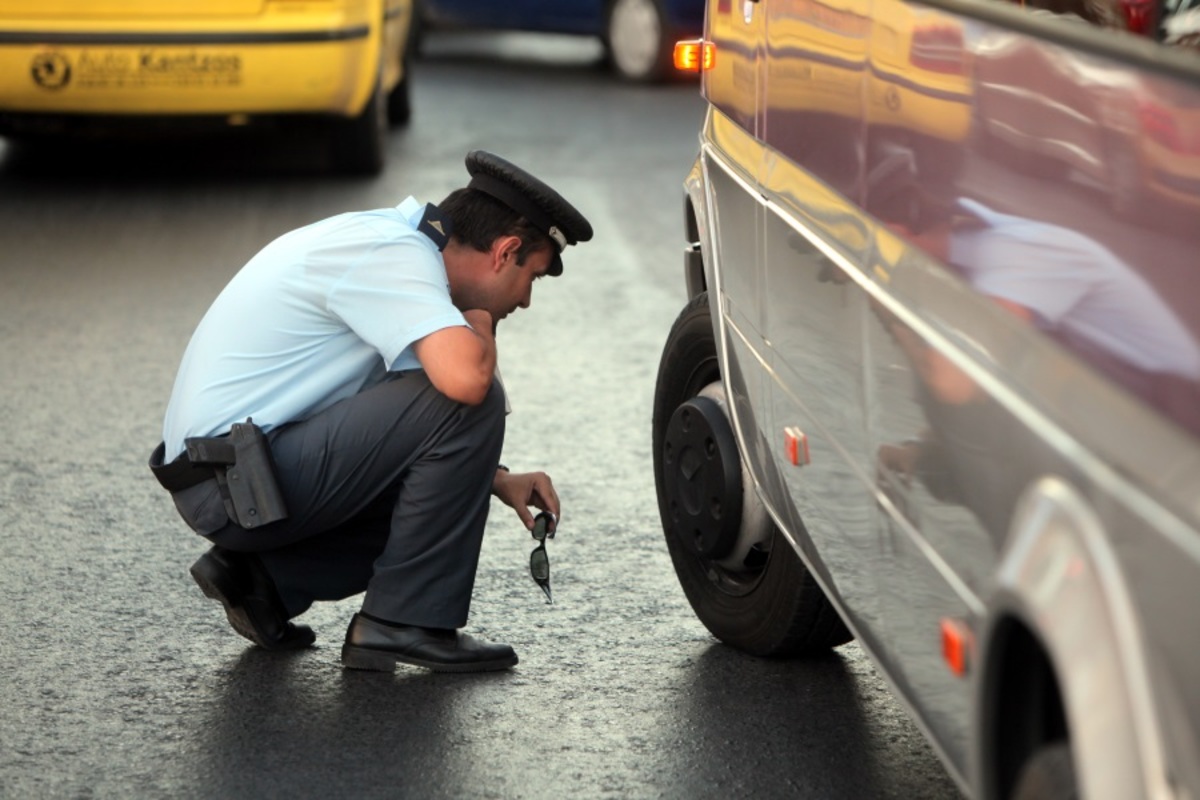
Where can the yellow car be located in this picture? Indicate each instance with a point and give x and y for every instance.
(63, 62)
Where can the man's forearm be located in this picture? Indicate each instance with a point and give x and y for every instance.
(461, 361)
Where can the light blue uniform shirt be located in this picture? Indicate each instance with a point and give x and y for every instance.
(1077, 285)
(317, 316)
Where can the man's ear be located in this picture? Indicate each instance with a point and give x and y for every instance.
(504, 250)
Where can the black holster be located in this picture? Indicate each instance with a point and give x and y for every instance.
(243, 467)
(245, 473)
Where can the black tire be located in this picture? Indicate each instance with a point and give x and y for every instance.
(1049, 774)
(774, 609)
(399, 100)
(359, 145)
(638, 48)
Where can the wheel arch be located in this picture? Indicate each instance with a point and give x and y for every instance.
(1021, 705)
(693, 253)
(1061, 655)
(697, 248)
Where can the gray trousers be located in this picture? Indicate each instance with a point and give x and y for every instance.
(388, 492)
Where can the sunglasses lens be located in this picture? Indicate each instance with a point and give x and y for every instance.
(539, 564)
(540, 524)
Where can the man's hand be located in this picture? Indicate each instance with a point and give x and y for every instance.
(525, 489)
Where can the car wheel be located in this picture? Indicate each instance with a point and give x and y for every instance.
(637, 40)
(741, 576)
(359, 145)
(399, 100)
(1049, 774)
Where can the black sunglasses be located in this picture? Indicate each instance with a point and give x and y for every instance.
(539, 562)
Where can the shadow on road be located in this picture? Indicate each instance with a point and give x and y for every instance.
(277, 731)
(140, 160)
(827, 747)
(281, 733)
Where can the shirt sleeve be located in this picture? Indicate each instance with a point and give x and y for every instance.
(1047, 275)
(395, 295)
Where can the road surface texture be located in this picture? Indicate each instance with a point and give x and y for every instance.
(122, 680)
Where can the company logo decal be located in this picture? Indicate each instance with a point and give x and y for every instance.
(147, 68)
(891, 99)
(51, 70)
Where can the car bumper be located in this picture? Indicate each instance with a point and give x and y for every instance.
(326, 68)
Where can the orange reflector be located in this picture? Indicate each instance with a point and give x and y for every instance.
(694, 55)
(796, 445)
(957, 644)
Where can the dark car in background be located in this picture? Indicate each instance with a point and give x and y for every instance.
(934, 392)
(638, 35)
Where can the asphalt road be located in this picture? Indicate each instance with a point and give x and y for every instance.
(121, 680)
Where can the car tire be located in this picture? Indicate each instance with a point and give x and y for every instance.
(399, 100)
(776, 607)
(1049, 774)
(637, 40)
(359, 145)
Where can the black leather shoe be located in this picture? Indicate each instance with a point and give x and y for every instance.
(238, 582)
(375, 646)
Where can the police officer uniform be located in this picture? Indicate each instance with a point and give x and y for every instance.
(385, 482)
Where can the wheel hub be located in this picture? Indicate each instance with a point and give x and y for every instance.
(703, 477)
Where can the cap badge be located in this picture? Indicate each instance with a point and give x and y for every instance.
(558, 237)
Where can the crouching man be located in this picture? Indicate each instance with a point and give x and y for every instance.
(336, 424)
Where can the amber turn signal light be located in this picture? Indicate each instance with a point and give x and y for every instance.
(795, 444)
(958, 644)
(695, 55)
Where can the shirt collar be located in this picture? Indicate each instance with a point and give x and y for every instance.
(411, 209)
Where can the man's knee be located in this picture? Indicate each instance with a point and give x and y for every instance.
(411, 397)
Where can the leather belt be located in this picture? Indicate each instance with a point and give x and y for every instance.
(181, 473)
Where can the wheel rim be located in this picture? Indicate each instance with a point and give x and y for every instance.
(635, 33)
(737, 569)
(703, 477)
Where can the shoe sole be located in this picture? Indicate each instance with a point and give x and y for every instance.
(364, 658)
(215, 586)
